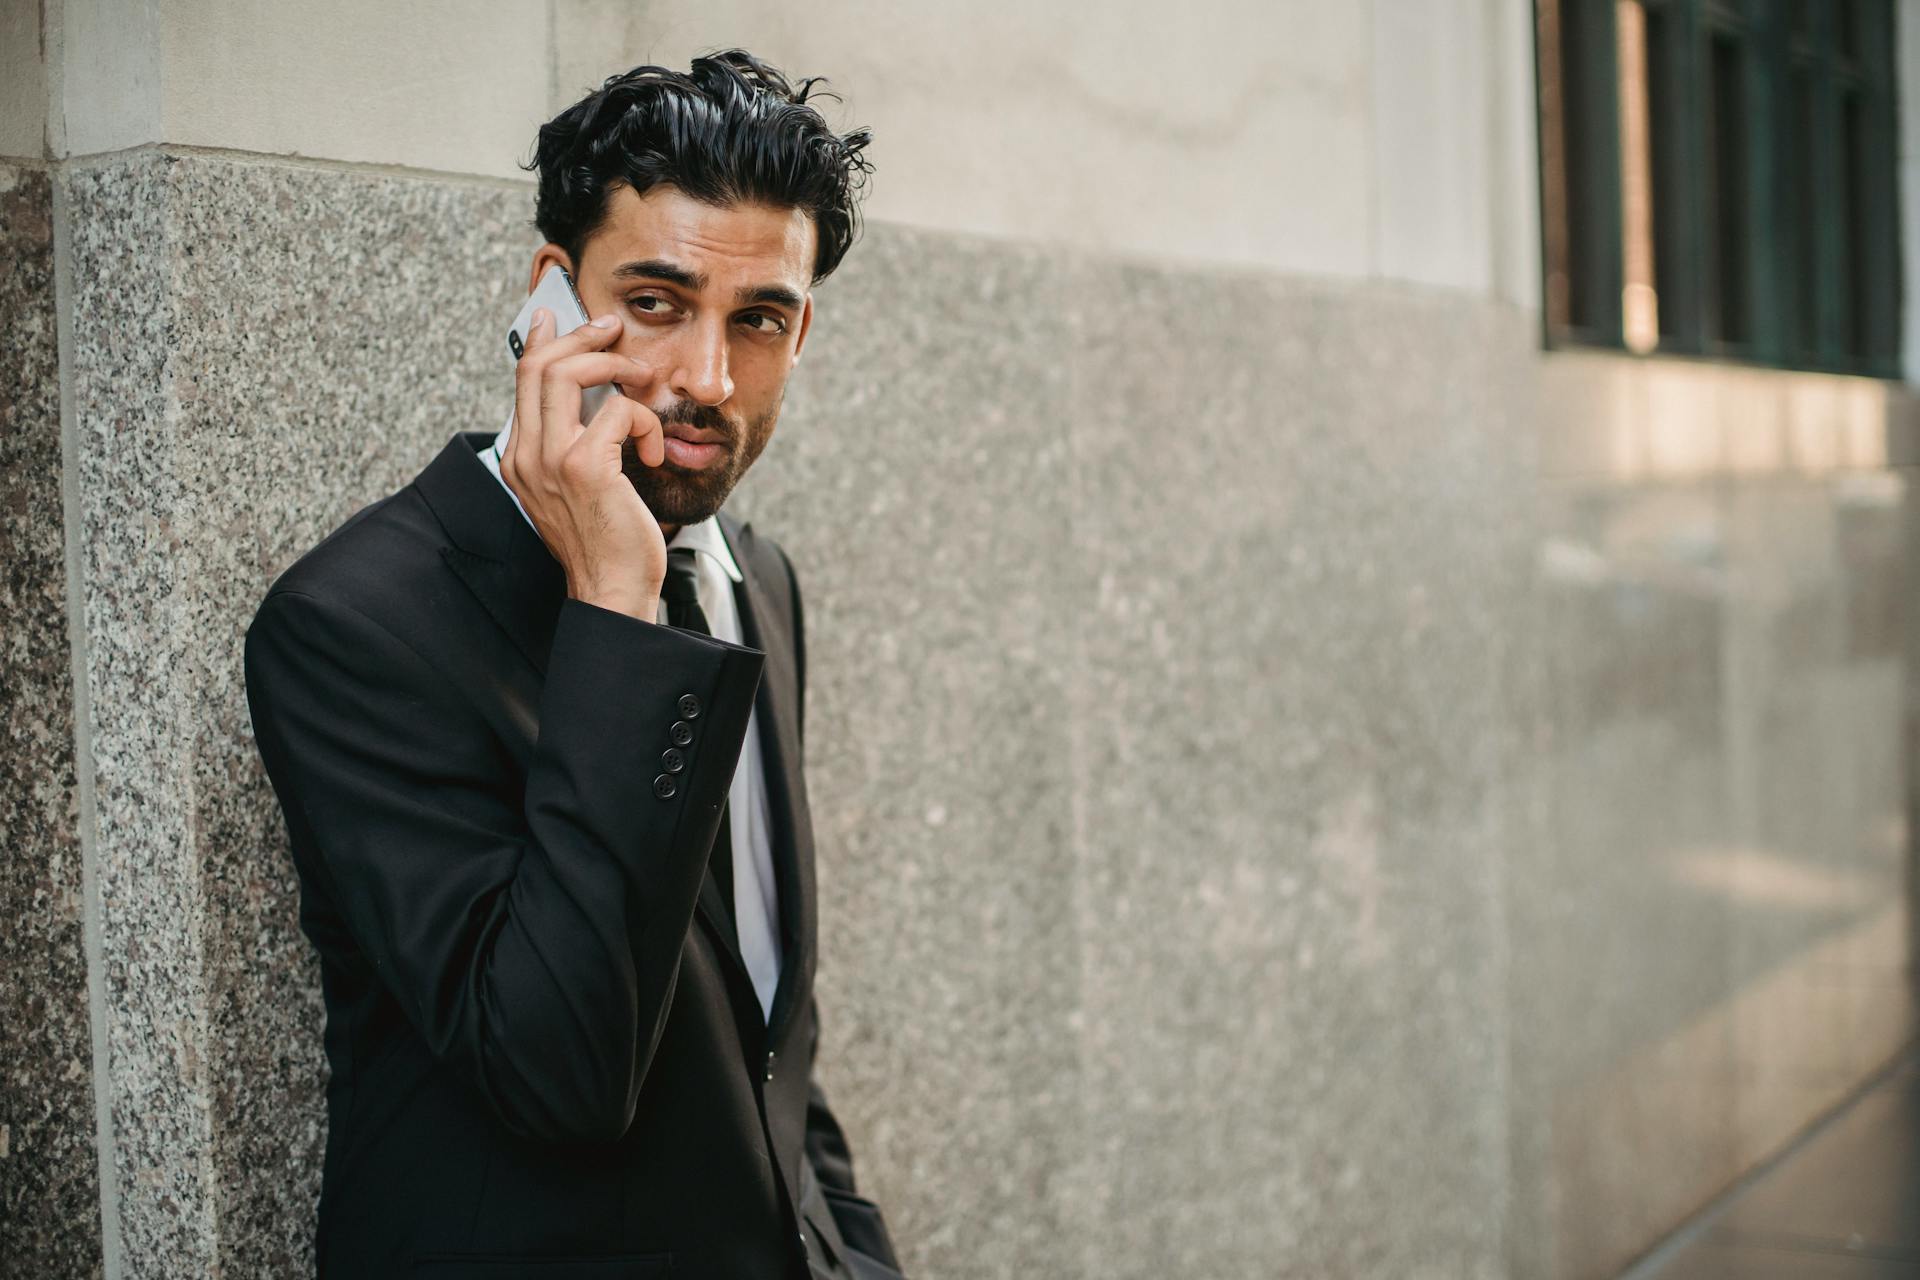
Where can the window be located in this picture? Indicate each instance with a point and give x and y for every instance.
(1717, 179)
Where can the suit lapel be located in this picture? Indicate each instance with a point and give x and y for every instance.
(494, 551)
(766, 624)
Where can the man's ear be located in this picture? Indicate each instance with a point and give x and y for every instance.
(549, 255)
(806, 322)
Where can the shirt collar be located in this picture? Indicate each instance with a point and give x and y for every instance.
(706, 535)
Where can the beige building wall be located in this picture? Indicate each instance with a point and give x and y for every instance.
(1347, 140)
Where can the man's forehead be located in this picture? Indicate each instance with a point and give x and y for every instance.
(717, 241)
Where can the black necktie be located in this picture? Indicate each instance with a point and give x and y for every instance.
(682, 595)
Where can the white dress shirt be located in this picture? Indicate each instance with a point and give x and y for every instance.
(756, 909)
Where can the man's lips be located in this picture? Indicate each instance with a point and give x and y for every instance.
(691, 447)
(692, 435)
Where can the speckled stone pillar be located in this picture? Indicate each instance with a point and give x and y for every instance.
(49, 1190)
(256, 351)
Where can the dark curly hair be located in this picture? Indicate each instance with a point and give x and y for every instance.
(731, 130)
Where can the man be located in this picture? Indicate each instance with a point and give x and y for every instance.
(535, 724)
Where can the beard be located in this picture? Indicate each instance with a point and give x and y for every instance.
(678, 495)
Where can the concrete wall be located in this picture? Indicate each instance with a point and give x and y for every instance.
(1430, 807)
(23, 80)
(1352, 140)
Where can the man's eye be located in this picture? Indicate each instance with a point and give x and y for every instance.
(641, 303)
(774, 324)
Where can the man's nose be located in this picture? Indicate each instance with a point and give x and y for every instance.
(700, 371)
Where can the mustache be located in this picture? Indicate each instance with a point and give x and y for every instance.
(703, 417)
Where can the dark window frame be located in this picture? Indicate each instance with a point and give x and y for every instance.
(1770, 148)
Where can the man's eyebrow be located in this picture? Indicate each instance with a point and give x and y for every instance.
(658, 269)
(777, 294)
(746, 295)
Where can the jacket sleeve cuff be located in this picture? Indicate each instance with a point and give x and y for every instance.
(616, 690)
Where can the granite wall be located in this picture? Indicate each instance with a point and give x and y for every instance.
(1270, 785)
(230, 408)
(49, 1191)
(1158, 623)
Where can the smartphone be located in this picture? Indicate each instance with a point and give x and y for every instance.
(556, 293)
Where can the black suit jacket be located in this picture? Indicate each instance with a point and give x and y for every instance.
(547, 1057)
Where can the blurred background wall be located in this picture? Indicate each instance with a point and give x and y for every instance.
(1362, 701)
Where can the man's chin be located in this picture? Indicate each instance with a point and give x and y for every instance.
(679, 496)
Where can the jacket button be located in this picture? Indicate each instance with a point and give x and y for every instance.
(664, 786)
(689, 707)
(769, 1066)
(681, 734)
(803, 1239)
(672, 761)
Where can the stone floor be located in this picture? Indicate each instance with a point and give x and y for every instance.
(1843, 1203)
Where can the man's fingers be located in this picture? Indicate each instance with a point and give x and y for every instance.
(619, 418)
(524, 442)
(649, 437)
(591, 369)
(560, 386)
(587, 337)
(543, 350)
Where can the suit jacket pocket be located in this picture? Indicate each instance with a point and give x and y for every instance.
(511, 1266)
(819, 1218)
(869, 1250)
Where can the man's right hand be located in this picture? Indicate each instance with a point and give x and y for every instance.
(568, 475)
